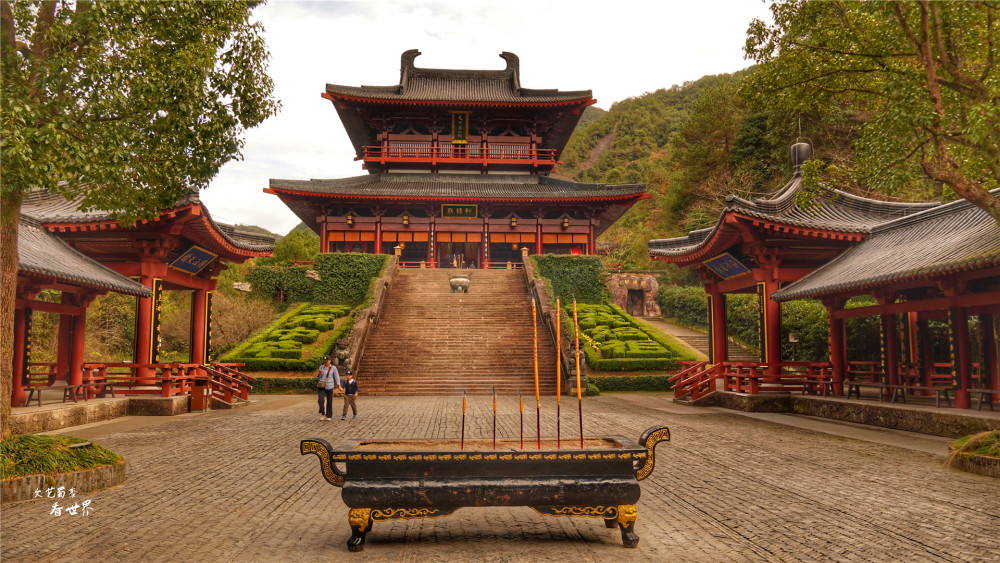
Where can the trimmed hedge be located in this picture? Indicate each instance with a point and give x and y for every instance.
(572, 276)
(285, 385)
(633, 383)
(279, 346)
(284, 283)
(615, 341)
(347, 278)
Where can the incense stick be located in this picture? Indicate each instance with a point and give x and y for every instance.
(494, 418)
(463, 420)
(538, 402)
(558, 372)
(579, 392)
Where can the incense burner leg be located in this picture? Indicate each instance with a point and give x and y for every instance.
(360, 520)
(626, 521)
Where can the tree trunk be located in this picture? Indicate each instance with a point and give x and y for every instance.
(10, 211)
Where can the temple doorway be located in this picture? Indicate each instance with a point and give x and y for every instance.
(459, 254)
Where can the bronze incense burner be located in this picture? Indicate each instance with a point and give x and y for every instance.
(397, 479)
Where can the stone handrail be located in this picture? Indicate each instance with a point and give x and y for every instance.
(538, 288)
(365, 319)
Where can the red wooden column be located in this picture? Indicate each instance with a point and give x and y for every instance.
(592, 237)
(770, 344)
(147, 346)
(79, 337)
(538, 233)
(378, 233)
(958, 317)
(64, 346)
(926, 351)
(891, 349)
(717, 326)
(838, 350)
(324, 236)
(199, 326)
(18, 394)
(990, 372)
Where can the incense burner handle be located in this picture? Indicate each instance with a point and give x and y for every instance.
(648, 440)
(324, 452)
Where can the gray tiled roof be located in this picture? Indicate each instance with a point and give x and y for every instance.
(430, 84)
(951, 238)
(46, 207)
(44, 254)
(825, 209)
(459, 186)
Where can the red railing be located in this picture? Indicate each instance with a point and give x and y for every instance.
(41, 374)
(696, 379)
(226, 382)
(165, 380)
(420, 152)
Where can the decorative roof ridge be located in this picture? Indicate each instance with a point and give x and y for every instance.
(390, 177)
(784, 199)
(941, 209)
(408, 70)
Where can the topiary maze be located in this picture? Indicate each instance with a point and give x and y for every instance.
(281, 345)
(615, 341)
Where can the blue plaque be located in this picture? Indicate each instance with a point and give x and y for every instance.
(193, 260)
(727, 266)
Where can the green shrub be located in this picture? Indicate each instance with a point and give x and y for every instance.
(686, 304)
(346, 277)
(279, 347)
(572, 276)
(591, 390)
(285, 385)
(31, 454)
(633, 383)
(633, 345)
(281, 283)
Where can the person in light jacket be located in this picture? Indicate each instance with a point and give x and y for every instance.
(328, 379)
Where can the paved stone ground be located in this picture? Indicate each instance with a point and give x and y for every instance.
(231, 486)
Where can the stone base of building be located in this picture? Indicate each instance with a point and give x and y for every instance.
(87, 480)
(159, 406)
(949, 423)
(69, 415)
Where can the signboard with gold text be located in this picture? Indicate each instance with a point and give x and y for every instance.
(193, 260)
(459, 211)
(459, 127)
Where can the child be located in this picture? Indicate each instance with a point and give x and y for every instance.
(350, 392)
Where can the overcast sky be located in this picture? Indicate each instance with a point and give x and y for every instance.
(618, 49)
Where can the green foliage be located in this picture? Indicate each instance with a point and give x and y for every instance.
(591, 390)
(280, 346)
(687, 304)
(31, 454)
(281, 283)
(301, 244)
(615, 341)
(347, 278)
(130, 104)
(918, 74)
(572, 276)
(632, 383)
(285, 385)
(981, 444)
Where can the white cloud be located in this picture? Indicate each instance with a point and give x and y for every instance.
(618, 50)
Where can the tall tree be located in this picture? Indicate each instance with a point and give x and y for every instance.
(129, 104)
(926, 73)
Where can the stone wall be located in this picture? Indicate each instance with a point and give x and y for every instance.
(159, 406)
(87, 480)
(73, 415)
(620, 284)
(950, 423)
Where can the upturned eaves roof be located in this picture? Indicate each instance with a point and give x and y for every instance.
(46, 255)
(824, 209)
(950, 238)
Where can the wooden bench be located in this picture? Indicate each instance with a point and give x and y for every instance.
(988, 393)
(899, 391)
(854, 386)
(69, 391)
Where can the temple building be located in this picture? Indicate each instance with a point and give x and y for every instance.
(920, 262)
(458, 168)
(85, 254)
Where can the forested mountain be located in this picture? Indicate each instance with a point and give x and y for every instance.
(878, 125)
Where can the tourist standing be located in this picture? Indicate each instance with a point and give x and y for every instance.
(327, 379)
(350, 393)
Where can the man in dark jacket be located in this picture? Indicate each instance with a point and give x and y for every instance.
(350, 393)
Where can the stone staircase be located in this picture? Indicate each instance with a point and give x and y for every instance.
(736, 352)
(432, 342)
